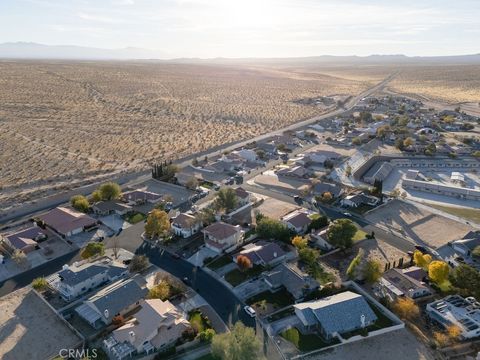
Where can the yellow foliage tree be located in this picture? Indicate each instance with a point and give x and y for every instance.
(453, 331)
(299, 242)
(157, 224)
(441, 338)
(438, 271)
(406, 308)
(421, 260)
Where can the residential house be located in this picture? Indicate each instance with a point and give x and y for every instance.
(243, 196)
(319, 157)
(289, 276)
(116, 299)
(263, 253)
(268, 147)
(105, 208)
(220, 236)
(335, 315)
(25, 240)
(297, 221)
(464, 313)
(320, 239)
(360, 199)
(185, 225)
(138, 197)
(295, 171)
(67, 221)
(246, 154)
(157, 325)
(396, 283)
(74, 281)
(322, 188)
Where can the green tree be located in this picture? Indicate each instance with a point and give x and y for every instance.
(308, 255)
(318, 222)
(80, 203)
(226, 200)
(40, 284)
(138, 263)
(96, 196)
(467, 278)
(341, 232)
(348, 170)
(160, 291)
(93, 249)
(158, 224)
(239, 344)
(110, 191)
(206, 216)
(273, 229)
(206, 335)
(372, 271)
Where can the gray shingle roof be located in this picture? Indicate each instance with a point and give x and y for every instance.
(72, 278)
(117, 297)
(339, 313)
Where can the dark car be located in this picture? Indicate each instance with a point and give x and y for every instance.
(127, 262)
(175, 256)
(298, 199)
(421, 248)
(186, 281)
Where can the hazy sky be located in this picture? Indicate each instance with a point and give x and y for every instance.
(246, 28)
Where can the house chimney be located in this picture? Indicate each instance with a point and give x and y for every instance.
(106, 313)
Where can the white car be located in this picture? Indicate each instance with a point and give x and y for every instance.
(347, 214)
(249, 310)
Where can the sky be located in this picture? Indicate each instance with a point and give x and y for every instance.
(249, 28)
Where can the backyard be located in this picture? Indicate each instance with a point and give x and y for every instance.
(304, 342)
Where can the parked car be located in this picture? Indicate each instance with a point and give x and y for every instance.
(298, 199)
(347, 214)
(186, 281)
(421, 248)
(249, 310)
(175, 256)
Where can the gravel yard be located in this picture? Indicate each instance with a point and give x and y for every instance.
(419, 224)
(397, 345)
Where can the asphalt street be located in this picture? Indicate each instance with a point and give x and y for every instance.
(222, 300)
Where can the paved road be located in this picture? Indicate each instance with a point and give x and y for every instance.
(221, 299)
(46, 269)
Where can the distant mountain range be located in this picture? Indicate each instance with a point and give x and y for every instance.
(29, 50)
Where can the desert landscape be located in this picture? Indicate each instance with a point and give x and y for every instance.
(65, 124)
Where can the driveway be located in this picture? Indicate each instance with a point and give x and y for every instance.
(250, 288)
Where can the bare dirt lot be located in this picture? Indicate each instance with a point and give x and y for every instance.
(418, 224)
(64, 121)
(29, 329)
(397, 345)
(275, 209)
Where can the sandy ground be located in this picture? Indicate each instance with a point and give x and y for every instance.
(419, 224)
(275, 209)
(397, 345)
(338, 263)
(66, 121)
(29, 329)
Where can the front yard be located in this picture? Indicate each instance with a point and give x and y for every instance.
(359, 235)
(267, 301)
(220, 262)
(236, 276)
(134, 217)
(199, 321)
